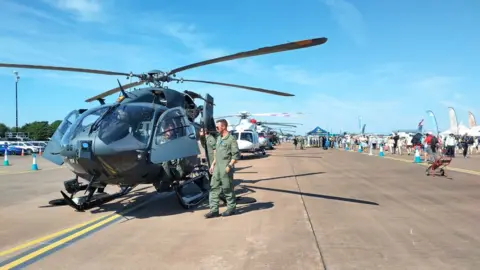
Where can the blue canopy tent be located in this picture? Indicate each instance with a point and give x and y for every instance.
(318, 131)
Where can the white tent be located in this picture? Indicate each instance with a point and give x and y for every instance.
(474, 131)
(462, 129)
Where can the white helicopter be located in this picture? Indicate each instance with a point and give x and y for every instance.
(266, 132)
(246, 133)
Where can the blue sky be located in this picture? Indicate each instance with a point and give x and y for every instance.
(386, 61)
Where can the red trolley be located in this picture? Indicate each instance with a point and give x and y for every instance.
(438, 165)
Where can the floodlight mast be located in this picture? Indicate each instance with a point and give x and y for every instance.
(17, 78)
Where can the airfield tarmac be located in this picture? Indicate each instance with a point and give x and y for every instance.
(315, 209)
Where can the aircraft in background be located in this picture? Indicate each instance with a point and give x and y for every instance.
(411, 131)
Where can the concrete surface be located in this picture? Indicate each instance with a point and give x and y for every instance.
(24, 164)
(315, 209)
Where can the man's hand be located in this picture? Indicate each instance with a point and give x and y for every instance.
(211, 169)
(227, 169)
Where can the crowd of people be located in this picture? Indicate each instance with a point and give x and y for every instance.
(324, 142)
(428, 144)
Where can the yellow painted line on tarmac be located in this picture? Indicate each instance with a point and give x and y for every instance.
(423, 164)
(47, 237)
(31, 171)
(58, 243)
(92, 226)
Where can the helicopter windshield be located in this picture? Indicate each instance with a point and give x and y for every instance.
(85, 120)
(246, 136)
(128, 126)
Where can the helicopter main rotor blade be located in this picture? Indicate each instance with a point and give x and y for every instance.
(227, 116)
(84, 70)
(114, 90)
(261, 51)
(266, 125)
(241, 86)
(278, 123)
(277, 114)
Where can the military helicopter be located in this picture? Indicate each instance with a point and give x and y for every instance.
(266, 134)
(148, 136)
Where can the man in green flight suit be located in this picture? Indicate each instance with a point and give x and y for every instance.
(210, 141)
(226, 155)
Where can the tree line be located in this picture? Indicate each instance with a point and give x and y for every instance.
(37, 130)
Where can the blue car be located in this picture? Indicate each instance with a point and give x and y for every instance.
(11, 150)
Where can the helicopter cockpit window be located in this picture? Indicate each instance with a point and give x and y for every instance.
(64, 127)
(246, 136)
(128, 124)
(84, 123)
(173, 125)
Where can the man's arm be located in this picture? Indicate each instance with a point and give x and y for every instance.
(235, 153)
(213, 163)
(213, 142)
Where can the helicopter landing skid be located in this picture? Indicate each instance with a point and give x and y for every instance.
(92, 200)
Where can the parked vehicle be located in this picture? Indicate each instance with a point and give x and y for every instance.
(28, 148)
(41, 145)
(12, 150)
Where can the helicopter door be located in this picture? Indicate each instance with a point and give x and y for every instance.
(174, 138)
(54, 147)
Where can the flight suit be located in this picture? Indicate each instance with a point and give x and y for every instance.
(211, 142)
(226, 150)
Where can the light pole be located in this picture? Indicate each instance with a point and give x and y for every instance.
(16, 100)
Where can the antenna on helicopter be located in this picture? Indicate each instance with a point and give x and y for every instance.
(121, 89)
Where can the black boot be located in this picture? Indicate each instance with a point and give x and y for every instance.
(212, 215)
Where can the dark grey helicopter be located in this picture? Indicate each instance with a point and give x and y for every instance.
(148, 136)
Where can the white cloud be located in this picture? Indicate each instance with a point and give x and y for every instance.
(10, 10)
(84, 10)
(349, 18)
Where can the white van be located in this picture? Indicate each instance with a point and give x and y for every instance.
(27, 147)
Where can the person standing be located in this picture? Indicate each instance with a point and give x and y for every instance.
(395, 142)
(433, 146)
(464, 141)
(209, 141)
(450, 143)
(226, 155)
